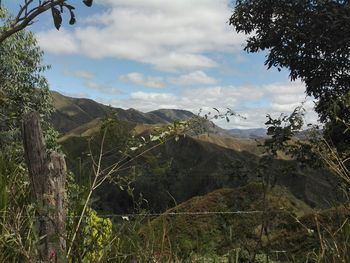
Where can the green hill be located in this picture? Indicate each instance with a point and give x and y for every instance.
(228, 222)
(216, 223)
(191, 166)
(71, 113)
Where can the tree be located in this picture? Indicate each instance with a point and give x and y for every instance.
(23, 88)
(29, 11)
(312, 40)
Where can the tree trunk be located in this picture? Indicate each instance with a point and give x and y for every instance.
(47, 175)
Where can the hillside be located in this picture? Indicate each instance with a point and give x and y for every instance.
(217, 224)
(248, 133)
(71, 113)
(194, 165)
(178, 170)
(221, 230)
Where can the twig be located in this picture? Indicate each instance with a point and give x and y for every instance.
(88, 197)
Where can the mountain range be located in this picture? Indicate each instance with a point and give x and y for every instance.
(200, 163)
(71, 113)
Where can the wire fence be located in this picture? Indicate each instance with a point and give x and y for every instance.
(126, 216)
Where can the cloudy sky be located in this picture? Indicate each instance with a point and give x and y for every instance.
(151, 54)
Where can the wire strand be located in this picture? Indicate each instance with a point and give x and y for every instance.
(204, 213)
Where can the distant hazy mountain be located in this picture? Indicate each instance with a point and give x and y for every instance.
(248, 133)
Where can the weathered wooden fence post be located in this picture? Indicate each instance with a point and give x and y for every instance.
(47, 175)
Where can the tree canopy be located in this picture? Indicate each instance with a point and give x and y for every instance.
(309, 38)
(23, 88)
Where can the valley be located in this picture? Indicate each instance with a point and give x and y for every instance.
(214, 171)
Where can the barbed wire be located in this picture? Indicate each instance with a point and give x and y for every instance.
(124, 216)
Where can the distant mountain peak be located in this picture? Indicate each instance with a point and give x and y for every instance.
(73, 112)
(248, 133)
(172, 110)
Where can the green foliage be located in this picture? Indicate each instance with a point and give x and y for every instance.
(186, 235)
(337, 128)
(127, 244)
(307, 37)
(332, 227)
(282, 130)
(2, 13)
(17, 215)
(98, 234)
(23, 88)
(94, 236)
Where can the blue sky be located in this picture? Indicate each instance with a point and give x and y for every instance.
(151, 54)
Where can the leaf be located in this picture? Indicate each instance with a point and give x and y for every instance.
(88, 2)
(57, 18)
(154, 138)
(72, 15)
(72, 19)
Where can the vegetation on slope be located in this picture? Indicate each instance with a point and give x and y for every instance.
(206, 226)
(71, 113)
(178, 170)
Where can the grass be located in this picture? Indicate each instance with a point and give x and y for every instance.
(208, 234)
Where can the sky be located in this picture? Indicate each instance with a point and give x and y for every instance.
(152, 54)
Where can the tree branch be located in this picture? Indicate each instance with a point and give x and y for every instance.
(20, 23)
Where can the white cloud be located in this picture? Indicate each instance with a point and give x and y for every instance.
(296, 87)
(279, 107)
(74, 94)
(140, 79)
(170, 35)
(139, 95)
(193, 78)
(149, 101)
(103, 88)
(91, 83)
(284, 97)
(80, 74)
(58, 42)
